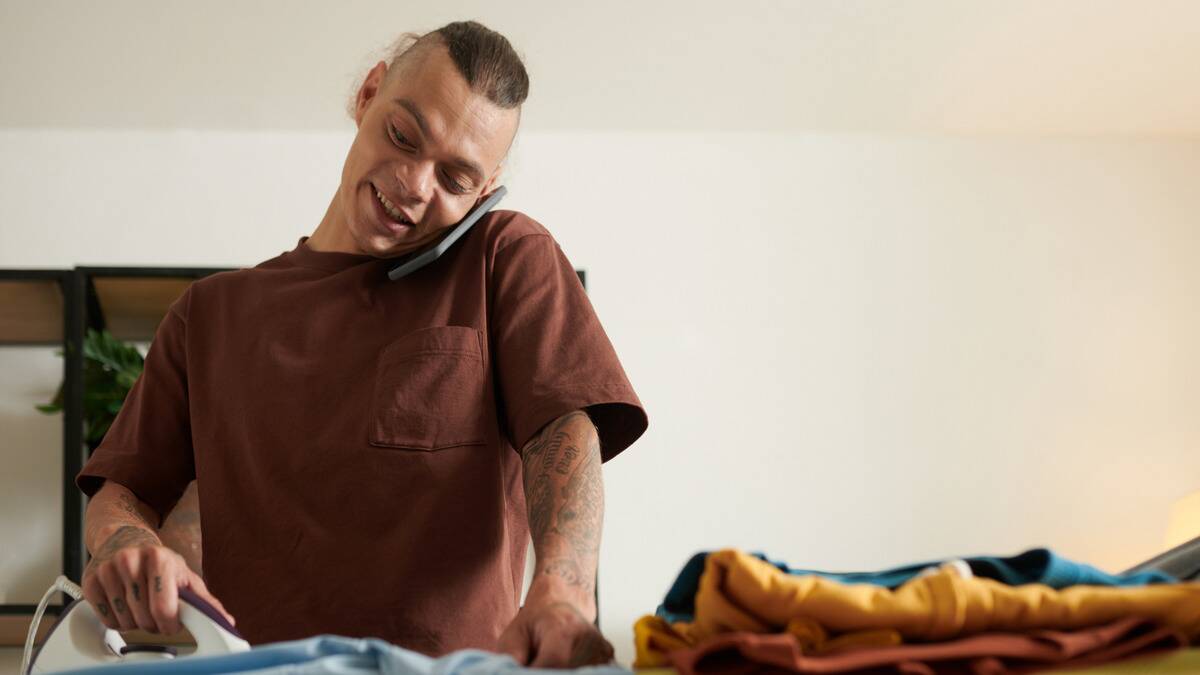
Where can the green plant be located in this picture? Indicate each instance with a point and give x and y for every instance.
(110, 367)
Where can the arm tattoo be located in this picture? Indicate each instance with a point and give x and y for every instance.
(567, 570)
(181, 531)
(568, 457)
(583, 508)
(539, 493)
(128, 506)
(565, 498)
(125, 513)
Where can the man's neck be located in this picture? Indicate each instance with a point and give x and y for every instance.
(332, 235)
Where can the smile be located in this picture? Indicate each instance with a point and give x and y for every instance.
(390, 208)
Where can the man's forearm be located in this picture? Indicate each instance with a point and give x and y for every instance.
(180, 529)
(116, 516)
(565, 498)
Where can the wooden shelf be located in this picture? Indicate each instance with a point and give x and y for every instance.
(15, 628)
(134, 306)
(31, 312)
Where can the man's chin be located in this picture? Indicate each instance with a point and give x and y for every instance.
(390, 245)
(382, 246)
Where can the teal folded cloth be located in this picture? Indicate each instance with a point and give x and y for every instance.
(1035, 566)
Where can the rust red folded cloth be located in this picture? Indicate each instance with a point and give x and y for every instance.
(744, 653)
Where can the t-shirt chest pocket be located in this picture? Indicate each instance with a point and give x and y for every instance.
(429, 387)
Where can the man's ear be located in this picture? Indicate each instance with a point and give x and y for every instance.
(369, 89)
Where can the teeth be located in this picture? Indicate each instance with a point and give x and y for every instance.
(390, 208)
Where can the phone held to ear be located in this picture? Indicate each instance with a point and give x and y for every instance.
(416, 261)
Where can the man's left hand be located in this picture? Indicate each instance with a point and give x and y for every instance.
(554, 634)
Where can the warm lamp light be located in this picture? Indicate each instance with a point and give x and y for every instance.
(1185, 521)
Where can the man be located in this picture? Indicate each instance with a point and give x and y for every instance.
(372, 456)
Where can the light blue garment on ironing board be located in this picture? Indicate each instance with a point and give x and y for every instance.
(335, 655)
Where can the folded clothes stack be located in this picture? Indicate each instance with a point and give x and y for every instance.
(734, 612)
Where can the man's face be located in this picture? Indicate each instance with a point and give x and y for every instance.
(429, 144)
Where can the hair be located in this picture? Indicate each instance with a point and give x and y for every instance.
(485, 59)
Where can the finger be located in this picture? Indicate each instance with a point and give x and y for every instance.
(114, 590)
(162, 592)
(515, 642)
(93, 593)
(197, 585)
(590, 649)
(553, 651)
(131, 567)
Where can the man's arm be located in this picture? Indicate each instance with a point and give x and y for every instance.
(565, 498)
(180, 529)
(564, 495)
(132, 579)
(115, 509)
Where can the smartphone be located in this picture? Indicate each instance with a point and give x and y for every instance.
(415, 261)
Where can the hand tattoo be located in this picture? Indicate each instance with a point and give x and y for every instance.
(119, 604)
(103, 607)
(135, 591)
(125, 536)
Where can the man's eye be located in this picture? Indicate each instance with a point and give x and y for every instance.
(456, 187)
(400, 138)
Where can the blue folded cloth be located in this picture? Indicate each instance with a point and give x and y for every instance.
(335, 655)
(1035, 566)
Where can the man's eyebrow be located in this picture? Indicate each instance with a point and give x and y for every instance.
(462, 162)
(416, 113)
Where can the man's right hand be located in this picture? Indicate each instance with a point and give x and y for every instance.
(133, 581)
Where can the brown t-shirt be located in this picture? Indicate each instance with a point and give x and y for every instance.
(355, 440)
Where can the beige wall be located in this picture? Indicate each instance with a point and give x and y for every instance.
(855, 350)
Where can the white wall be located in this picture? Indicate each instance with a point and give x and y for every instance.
(855, 350)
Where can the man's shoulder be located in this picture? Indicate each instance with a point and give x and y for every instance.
(234, 282)
(223, 281)
(502, 227)
(233, 278)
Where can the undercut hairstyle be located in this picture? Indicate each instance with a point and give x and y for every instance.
(485, 59)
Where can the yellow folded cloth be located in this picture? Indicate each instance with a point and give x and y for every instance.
(655, 638)
(739, 592)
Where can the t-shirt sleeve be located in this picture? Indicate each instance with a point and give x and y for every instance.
(148, 448)
(550, 353)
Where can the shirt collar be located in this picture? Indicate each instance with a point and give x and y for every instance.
(332, 261)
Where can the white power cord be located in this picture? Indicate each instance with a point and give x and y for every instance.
(61, 585)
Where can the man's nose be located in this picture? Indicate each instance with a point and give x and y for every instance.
(417, 178)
